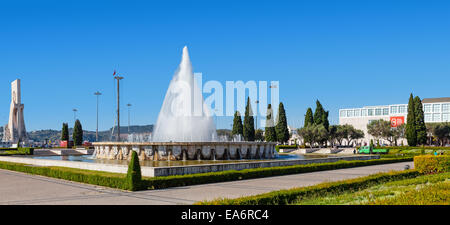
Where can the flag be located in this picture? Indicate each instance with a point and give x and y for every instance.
(114, 73)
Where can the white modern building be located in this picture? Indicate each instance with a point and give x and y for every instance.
(436, 110)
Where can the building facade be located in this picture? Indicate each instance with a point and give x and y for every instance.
(436, 110)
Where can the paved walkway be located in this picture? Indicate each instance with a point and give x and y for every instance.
(20, 188)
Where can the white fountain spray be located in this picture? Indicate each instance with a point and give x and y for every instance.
(184, 116)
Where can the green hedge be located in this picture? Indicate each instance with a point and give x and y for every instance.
(291, 196)
(17, 151)
(232, 175)
(417, 147)
(429, 164)
(84, 176)
(119, 181)
(277, 148)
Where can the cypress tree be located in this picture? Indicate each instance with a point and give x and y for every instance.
(325, 121)
(270, 133)
(237, 124)
(249, 123)
(411, 134)
(134, 177)
(309, 119)
(281, 128)
(421, 129)
(318, 114)
(65, 132)
(77, 133)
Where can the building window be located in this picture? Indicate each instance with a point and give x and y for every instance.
(446, 107)
(342, 114)
(428, 117)
(385, 111)
(394, 109)
(427, 108)
(445, 117)
(378, 112)
(436, 108)
(357, 112)
(364, 112)
(402, 109)
(370, 112)
(349, 113)
(436, 117)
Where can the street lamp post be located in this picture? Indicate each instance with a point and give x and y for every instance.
(96, 131)
(74, 115)
(129, 105)
(118, 78)
(256, 117)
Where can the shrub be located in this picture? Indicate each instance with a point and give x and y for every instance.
(134, 177)
(432, 164)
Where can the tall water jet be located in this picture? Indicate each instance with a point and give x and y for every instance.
(184, 116)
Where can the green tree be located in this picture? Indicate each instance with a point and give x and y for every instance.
(237, 125)
(421, 129)
(65, 132)
(377, 128)
(259, 135)
(313, 134)
(249, 123)
(442, 132)
(134, 177)
(270, 133)
(281, 128)
(411, 131)
(77, 133)
(318, 114)
(309, 119)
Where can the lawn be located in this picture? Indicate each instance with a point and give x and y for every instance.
(421, 190)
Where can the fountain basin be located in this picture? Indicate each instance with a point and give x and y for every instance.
(185, 150)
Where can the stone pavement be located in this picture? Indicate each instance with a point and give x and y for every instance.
(23, 189)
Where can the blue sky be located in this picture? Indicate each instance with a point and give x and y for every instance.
(344, 53)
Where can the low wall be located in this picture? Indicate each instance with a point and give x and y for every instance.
(185, 150)
(180, 170)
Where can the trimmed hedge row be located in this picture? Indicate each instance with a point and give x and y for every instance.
(417, 147)
(291, 196)
(277, 147)
(232, 175)
(429, 164)
(18, 151)
(84, 176)
(119, 181)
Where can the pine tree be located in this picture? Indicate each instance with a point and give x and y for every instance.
(270, 133)
(421, 129)
(237, 124)
(65, 132)
(281, 128)
(309, 120)
(411, 134)
(249, 123)
(77, 133)
(134, 177)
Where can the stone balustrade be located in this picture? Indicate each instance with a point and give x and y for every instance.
(185, 150)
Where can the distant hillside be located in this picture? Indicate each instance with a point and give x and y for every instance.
(55, 135)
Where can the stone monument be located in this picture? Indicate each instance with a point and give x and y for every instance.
(15, 129)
